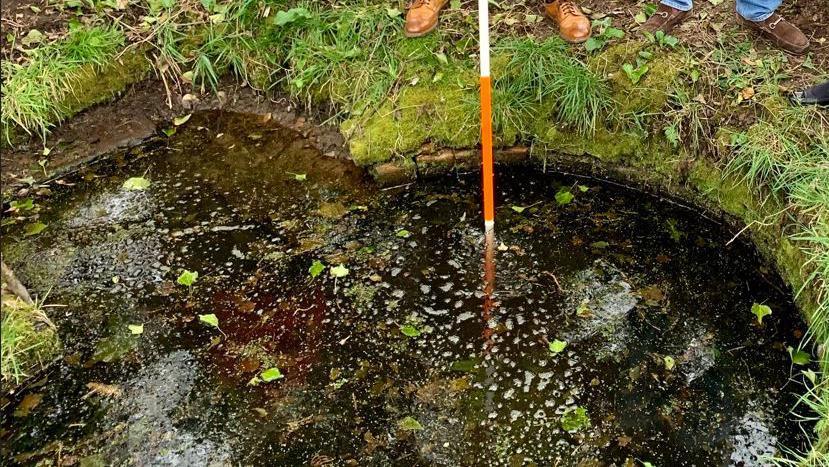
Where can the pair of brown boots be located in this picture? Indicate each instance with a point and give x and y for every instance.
(784, 34)
(573, 25)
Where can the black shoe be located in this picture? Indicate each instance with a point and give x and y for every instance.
(816, 95)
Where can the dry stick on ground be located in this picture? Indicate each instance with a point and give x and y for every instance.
(13, 285)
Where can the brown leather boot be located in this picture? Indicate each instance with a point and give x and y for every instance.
(573, 25)
(665, 19)
(422, 17)
(784, 34)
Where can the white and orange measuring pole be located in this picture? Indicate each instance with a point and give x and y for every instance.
(488, 171)
(486, 121)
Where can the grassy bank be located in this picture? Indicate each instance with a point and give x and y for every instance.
(712, 117)
(29, 340)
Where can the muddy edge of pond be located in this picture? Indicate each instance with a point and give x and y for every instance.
(140, 113)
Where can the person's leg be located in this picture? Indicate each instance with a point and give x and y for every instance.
(573, 25)
(422, 17)
(757, 10)
(669, 15)
(761, 16)
(681, 5)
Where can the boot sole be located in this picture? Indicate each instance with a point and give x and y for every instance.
(412, 35)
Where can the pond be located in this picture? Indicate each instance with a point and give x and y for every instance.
(619, 331)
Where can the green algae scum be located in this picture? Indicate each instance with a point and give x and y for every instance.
(335, 323)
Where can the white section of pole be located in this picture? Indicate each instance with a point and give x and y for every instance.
(483, 31)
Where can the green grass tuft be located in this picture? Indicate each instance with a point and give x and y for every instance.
(33, 91)
(29, 339)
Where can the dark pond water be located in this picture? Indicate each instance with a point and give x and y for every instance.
(395, 361)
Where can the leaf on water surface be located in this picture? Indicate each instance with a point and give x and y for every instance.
(403, 233)
(599, 245)
(316, 268)
(339, 271)
(575, 419)
(760, 311)
(409, 330)
(300, 177)
(465, 366)
(136, 329)
(799, 357)
(271, 374)
(584, 188)
(556, 346)
(136, 183)
(518, 209)
(409, 424)
(564, 197)
(187, 278)
(169, 131)
(670, 363)
(23, 205)
(210, 320)
(33, 229)
(178, 121)
(101, 389)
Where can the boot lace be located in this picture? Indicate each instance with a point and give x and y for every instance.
(568, 8)
(419, 3)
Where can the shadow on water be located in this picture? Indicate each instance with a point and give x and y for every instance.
(619, 330)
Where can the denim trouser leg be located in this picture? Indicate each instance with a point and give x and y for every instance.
(683, 5)
(757, 10)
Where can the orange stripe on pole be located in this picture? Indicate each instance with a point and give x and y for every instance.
(486, 146)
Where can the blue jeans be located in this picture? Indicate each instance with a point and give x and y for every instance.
(752, 10)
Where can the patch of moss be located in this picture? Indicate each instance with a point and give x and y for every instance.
(651, 93)
(441, 112)
(94, 85)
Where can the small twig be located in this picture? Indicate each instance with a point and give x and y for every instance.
(763, 223)
(555, 279)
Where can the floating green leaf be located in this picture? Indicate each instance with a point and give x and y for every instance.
(799, 357)
(210, 320)
(316, 268)
(23, 205)
(584, 188)
(575, 419)
(409, 424)
(409, 330)
(403, 233)
(760, 311)
(601, 245)
(564, 197)
(339, 271)
(518, 209)
(187, 278)
(136, 329)
(136, 183)
(670, 363)
(178, 121)
(300, 177)
(556, 346)
(271, 374)
(33, 229)
(169, 131)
